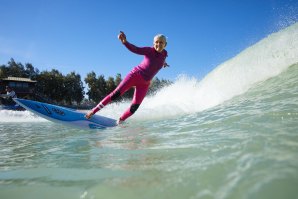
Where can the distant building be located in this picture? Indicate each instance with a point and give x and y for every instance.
(24, 87)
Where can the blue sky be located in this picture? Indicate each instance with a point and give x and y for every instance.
(81, 36)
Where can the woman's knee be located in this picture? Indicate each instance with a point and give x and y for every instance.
(116, 95)
(134, 108)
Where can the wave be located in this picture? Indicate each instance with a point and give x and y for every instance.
(265, 59)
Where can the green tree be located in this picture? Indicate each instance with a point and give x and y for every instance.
(51, 85)
(18, 70)
(111, 85)
(56, 87)
(118, 79)
(74, 89)
(30, 71)
(101, 87)
(3, 71)
(91, 81)
(15, 69)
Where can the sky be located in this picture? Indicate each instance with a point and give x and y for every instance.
(81, 35)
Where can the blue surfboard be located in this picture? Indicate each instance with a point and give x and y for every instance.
(66, 116)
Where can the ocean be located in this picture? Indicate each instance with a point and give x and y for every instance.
(230, 135)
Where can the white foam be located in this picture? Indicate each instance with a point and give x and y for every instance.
(265, 59)
(19, 116)
(186, 95)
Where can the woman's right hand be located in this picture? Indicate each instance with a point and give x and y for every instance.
(122, 37)
(89, 115)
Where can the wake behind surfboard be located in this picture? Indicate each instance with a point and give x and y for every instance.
(66, 116)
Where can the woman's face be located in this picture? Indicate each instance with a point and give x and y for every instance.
(159, 44)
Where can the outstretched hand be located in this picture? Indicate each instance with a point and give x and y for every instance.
(122, 37)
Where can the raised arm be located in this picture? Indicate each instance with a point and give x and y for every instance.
(131, 47)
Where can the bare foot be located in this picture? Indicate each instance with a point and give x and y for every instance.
(119, 121)
(89, 115)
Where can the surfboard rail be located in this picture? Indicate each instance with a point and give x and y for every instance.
(65, 115)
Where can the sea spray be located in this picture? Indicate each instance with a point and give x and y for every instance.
(8, 116)
(267, 58)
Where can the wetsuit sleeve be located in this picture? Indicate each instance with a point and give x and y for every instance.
(137, 50)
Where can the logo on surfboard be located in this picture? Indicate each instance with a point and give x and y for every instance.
(58, 111)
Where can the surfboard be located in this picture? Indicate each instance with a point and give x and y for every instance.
(65, 115)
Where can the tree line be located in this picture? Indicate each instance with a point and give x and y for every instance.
(69, 89)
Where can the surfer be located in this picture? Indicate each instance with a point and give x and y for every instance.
(139, 77)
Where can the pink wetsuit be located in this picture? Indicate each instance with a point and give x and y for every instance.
(140, 77)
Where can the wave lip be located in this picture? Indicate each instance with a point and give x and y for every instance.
(267, 58)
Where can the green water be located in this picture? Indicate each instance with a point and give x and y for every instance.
(244, 148)
(233, 135)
